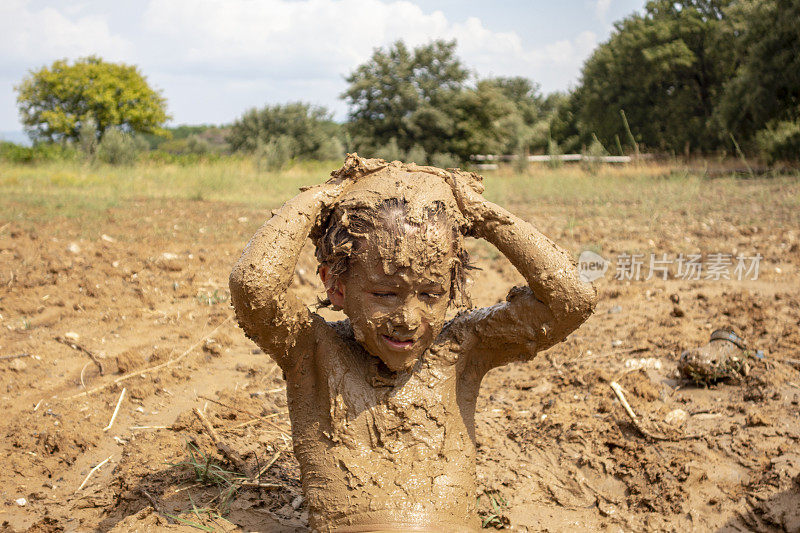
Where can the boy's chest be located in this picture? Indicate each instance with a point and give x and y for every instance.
(413, 413)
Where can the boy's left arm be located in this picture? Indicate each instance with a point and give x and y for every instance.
(532, 318)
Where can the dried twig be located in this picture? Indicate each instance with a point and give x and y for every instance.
(116, 409)
(629, 411)
(254, 420)
(132, 428)
(76, 346)
(13, 356)
(269, 464)
(92, 471)
(260, 485)
(152, 368)
(221, 404)
(82, 371)
(226, 450)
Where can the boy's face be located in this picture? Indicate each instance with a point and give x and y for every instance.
(396, 296)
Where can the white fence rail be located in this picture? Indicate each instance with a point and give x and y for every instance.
(560, 157)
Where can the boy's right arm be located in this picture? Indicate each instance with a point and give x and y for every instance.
(266, 309)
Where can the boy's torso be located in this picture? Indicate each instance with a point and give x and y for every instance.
(381, 448)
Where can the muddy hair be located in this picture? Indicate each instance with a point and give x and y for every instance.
(342, 231)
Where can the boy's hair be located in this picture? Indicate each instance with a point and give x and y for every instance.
(343, 230)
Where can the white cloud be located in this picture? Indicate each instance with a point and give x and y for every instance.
(31, 36)
(214, 58)
(601, 8)
(328, 38)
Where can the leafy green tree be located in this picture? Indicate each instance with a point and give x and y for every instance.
(665, 68)
(406, 95)
(765, 90)
(56, 101)
(297, 129)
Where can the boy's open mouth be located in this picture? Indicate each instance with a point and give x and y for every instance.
(398, 344)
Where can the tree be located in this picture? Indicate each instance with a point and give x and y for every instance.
(665, 69)
(56, 101)
(766, 87)
(406, 95)
(301, 130)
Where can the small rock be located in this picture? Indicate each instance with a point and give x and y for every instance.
(71, 335)
(108, 238)
(616, 342)
(676, 417)
(22, 502)
(674, 298)
(757, 418)
(18, 365)
(73, 248)
(242, 220)
(211, 346)
(677, 311)
(297, 502)
(170, 261)
(614, 310)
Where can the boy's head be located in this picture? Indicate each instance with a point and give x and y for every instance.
(391, 256)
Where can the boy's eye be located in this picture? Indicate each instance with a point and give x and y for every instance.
(383, 294)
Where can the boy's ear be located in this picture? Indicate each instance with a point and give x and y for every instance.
(333, 287)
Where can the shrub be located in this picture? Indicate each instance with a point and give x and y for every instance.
(445, 160)
(119, 148)
(417, 155)
(780, 142)
(87, 138)
(389, 151)
(275, 154)
(329, 149)
(40, 152)
(592, 155)
(553, 150)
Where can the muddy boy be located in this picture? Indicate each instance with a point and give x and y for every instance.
(382, 404)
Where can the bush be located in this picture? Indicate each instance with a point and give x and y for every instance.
(445, 160)
(16, 153)
(275, 154)
(780, 142)
(119, 148)
(553, 150)
(592, 155)
(521, 160)
(329, 149)
(417, 155)
(87, 138)
(390, 151)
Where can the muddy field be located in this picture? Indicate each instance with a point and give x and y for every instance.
(137, 301)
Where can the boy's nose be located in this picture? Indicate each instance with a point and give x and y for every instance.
(408, 317)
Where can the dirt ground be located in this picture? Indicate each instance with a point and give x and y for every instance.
(137, 301)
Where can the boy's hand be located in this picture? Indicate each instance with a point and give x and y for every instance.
(467, 190)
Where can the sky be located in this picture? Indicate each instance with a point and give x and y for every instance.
(215, 59)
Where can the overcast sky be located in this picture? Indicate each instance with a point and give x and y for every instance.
(214, 59)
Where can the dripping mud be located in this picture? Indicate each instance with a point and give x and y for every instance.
(553, 447)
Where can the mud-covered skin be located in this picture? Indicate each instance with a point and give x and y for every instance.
(380, 449)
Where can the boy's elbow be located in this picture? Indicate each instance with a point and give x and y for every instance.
(249, 303)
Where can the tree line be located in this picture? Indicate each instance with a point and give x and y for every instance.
(692, 77)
